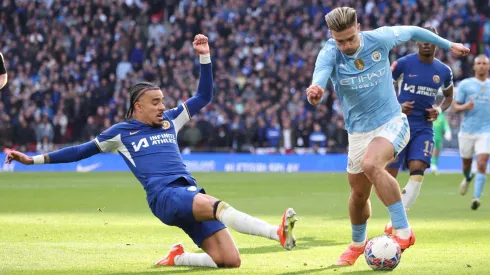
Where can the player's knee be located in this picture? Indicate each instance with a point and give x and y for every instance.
(231, 261)
(369, 166)
(359, 196)
(481, 166)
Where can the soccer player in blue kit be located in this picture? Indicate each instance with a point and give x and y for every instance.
(147, 142)
(358, 65)
(473, 101)
(421, 75)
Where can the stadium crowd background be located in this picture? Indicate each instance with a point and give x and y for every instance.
(71, 64)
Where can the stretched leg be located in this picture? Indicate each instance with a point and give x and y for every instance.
(206, 208)
(480, 179)
(378, 154)
(468, 176)
(359, 213)
(466, 150)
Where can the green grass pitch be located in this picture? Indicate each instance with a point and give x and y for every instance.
(99, 223)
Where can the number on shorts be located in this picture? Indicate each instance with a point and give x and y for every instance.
(427, 144)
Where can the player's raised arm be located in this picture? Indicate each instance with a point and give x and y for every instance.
(323, 69)
(183, 113)
(3, 72)
(394, 36)
(68, 154)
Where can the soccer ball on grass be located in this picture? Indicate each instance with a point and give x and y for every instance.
(382, 253)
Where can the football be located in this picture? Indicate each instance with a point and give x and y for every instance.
(382, 253)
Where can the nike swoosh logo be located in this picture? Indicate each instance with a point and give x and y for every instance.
(412, 75)
(132, 133)
(87, 168)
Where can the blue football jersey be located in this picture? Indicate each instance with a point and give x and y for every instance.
(363, 81)
(475, 121)
(152, 153)
(420, 82)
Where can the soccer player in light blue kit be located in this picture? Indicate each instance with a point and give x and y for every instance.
(473, 100)
(148, 144)
(359, 67)
(420, 75)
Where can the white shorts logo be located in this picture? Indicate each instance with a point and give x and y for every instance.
(376, 56)
(191, 188)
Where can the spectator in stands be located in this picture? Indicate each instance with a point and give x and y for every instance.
(75, 56)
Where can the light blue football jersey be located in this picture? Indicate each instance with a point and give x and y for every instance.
(363, 81)
(477, 120)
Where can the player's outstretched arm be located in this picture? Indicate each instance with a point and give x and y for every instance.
(402, 34)
(204, 93)
(68, 154)
(3, 72)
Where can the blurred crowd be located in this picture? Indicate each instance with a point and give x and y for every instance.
(72, 62)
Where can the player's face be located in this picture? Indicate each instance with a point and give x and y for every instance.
(426, 49)
(348, 40)
(150, 108)
(481, 65)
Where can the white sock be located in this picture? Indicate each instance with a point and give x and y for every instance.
(244, 223)
(359, 244)
(194, 259)
(411, 191)
(402, 233)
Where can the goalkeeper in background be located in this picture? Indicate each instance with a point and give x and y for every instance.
(441, 129)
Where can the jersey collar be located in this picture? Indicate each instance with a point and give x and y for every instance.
(361, 46)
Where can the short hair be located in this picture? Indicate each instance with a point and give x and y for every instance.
(481, 56)
(135, 92)
(341, 18)
(431, 28)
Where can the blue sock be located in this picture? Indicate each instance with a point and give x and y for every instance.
(480, 180)
(359, 232)
(467, 174)
(398, 216)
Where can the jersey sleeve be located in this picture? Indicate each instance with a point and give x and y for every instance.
(324, 65)
(461, 93)
(448, 81)
(391, 37)
(110, 139)
(179, 116)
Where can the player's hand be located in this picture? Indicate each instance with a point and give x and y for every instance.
(407, 107)
(200, 44)
(459, 49)
(314, 94)
(432, 114)
(469, 105)
(393, 65)
(18, 156)
(448, 136)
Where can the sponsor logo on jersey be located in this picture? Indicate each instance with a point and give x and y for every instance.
(166, 125)
(359, 64)
(436, 79)
(376, 56)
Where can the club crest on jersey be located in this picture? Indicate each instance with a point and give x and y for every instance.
(359, 64)
(436, 78)
(376, 56)
(482, 89)
(166, 125)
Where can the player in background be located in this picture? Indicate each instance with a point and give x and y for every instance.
(147, 142)
(441, 131)
(358, 64)
(3, 72)
(473, 100)
(420, 76)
